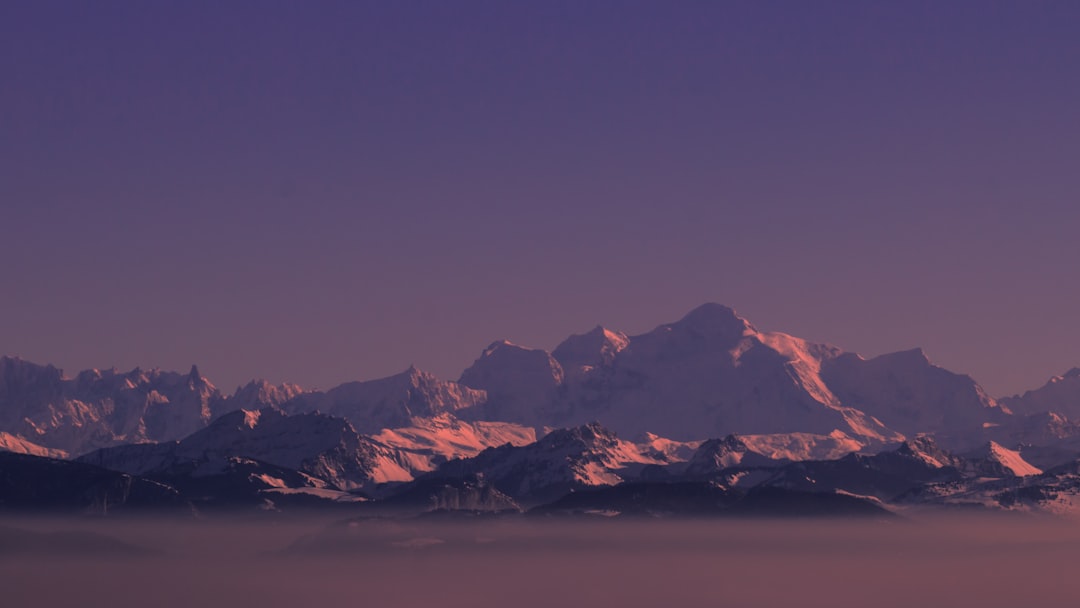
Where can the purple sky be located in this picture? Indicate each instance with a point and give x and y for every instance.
(321, 192)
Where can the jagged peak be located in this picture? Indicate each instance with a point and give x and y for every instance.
(922, 442)
(194, 378)
(413, 377)
(251, 418)
(264, 390)
(415, 374)
(239, 418)
(926, 449)
(88, 375)
(597, 346)
(590, 434)
(726, 443)
(1011, 460)
(609, 335)
(254, 417)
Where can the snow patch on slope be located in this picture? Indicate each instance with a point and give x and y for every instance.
(429, 442)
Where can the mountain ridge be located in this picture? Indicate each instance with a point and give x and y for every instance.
(709, 374)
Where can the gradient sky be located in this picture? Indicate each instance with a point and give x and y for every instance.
(327, 191)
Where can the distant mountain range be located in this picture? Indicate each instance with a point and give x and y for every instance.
(707, 399)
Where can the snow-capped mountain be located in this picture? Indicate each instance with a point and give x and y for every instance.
(581, 353)
(388, 402)
(563, 460)
(713, 373)
(429, 442)
(751, 451)
(522, 385)
(315, 444)
(718, 454)
(98, 408)
(926, 450)
(993, 460)
(1060, 394)
(910, 394)
(18, 445)
(1044, 429)
(258, 394)
(710, 374)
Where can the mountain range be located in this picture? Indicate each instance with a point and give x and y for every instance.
(706, 399)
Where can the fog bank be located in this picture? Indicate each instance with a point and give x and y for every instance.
(962, 561)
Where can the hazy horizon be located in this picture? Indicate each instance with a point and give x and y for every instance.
(985, 561)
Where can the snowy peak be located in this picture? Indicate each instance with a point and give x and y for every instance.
(715, 319)
(98, 408)
(389, 402)
(503, 357)
(565, 459)
(803, 446)
(718, 454)
(522, 384)
(909, 394)
(579, 439)
(315, 444)
(768, 450)
(711, 327)
(1061, 394)
(429, 442)
(596, 348)
(995, 460)
(924, 449)
(258, 394)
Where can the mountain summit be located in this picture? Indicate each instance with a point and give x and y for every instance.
(709, 374)
(713, 373)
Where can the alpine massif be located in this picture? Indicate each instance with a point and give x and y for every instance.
(708, 399)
